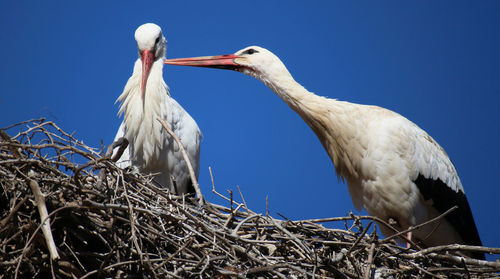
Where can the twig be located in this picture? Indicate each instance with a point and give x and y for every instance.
(242, 198)
(74, 256)
(359, 238)
(115, 265)
(231, 215)
(44, 218)
(267, 205)
(24, 122)
(188, 242)
(235, 231)
(293, 237)
(87, 155)
(12, 212)
(455, 259)
(221, 195)
(12, 149)
(373, 218)
(369, 261)
(132, 224)
(457, 247)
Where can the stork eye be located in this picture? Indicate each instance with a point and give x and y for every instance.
(157, 40)
(250, 51)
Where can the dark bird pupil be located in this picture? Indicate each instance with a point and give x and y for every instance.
(157, 40)
(250, 51)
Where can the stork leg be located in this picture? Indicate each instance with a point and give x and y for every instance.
(174, 184)
(393, 222)
(408, 236)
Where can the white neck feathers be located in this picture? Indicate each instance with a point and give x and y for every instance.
(328, 118)
(142, 130)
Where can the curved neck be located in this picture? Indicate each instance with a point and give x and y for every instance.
(290, 91)
(295, 95)
(326, 117)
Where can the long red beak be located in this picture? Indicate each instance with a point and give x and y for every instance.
(147, 58)
(219, 61)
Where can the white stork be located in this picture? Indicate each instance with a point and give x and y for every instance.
(145, 97)
(393, 169)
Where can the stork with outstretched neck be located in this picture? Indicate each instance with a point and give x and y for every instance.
(393, 169)
(145, 98)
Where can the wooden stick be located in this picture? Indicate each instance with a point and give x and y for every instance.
(12, 149)
(359, 238)
(457, 247)
(186, 158)
(12, 212)
(369, 261)
(242, 198)
(44, 218)
(454, 259)
(221, 195)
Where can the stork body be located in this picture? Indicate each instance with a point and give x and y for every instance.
(145, 98)
(393, 169)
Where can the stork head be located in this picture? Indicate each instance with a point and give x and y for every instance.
(253, 60)
(152, 46)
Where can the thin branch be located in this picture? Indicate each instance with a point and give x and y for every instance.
(369, 261)
(359, 238)
(12, 212)
(242, 198)
(45, 220)
(457, 247)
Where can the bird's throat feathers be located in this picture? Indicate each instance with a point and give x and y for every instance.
(140, 113)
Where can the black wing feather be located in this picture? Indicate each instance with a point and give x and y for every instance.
(444, 198)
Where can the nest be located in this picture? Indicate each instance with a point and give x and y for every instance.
(67, 211)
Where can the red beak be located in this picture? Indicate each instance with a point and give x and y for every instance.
(219, 61)
(147, 58)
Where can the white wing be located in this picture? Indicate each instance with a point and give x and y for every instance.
(433, 173)
(407, 176)
(430, 160)
(184, 126)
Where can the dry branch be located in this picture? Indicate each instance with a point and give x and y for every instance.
(45, 220)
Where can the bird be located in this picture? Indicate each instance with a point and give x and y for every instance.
(146, 97)
(393, 168)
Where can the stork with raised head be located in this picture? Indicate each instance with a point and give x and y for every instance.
(145, 98)
(393, 169)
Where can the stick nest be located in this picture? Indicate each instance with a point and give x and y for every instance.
(104, 221)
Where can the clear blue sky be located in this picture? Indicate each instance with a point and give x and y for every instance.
(435, 62)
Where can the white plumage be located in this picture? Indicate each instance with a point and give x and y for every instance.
(392, 168)
(145, 97)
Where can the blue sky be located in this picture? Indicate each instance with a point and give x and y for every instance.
(435, 62)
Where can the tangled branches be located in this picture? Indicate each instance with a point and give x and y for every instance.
(59, 219)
